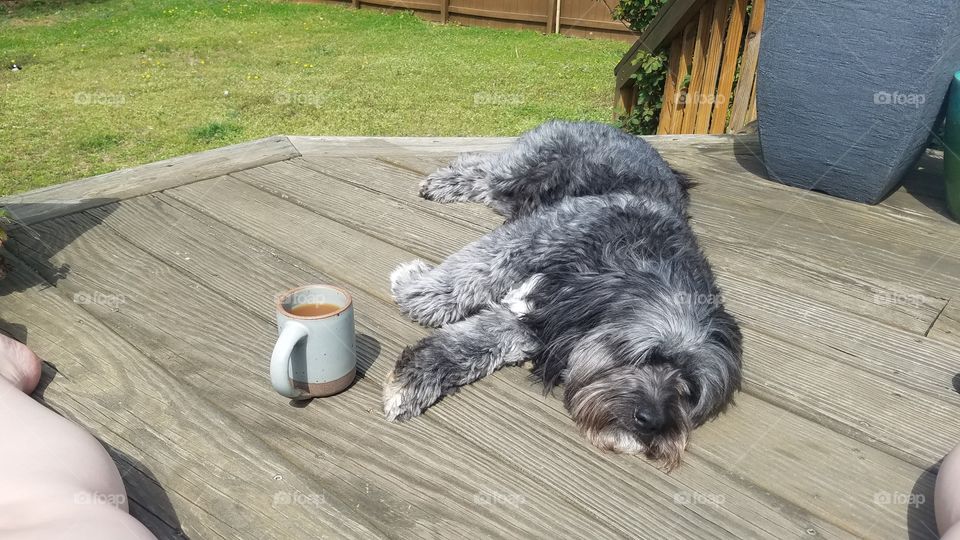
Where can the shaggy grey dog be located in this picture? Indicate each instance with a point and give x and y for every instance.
(596, 276)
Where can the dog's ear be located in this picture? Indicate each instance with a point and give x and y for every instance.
(686, 182)
(716, 372)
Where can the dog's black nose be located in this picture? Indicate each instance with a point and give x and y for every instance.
(649, 420)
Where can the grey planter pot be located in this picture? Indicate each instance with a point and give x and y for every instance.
(848, 92)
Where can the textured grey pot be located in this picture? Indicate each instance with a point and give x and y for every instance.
(847, 92)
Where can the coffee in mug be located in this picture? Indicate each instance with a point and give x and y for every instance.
(315, 354)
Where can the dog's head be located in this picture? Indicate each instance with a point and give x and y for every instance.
(641, 395)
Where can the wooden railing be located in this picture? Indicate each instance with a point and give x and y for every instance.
(707, 40)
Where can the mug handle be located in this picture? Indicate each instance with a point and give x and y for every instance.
(292, 333)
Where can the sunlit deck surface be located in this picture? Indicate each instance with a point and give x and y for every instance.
(149, 293)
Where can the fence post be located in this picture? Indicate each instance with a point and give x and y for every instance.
(551, 13)
(556, 24)
(444, 11)
(355, 4)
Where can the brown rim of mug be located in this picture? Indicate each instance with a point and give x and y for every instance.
(291, 292)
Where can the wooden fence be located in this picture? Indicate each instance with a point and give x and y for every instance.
(712, 70)
(584, 18)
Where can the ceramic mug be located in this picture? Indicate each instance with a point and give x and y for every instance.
(315, 354)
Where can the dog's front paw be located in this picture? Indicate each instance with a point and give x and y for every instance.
(425, 299)
(408, 390)
(406, 274)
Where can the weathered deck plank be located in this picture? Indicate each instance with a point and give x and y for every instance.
(589, 491)
(360, 209)
(385, 178)
(394, 146)
(848, 395)
(63, 199)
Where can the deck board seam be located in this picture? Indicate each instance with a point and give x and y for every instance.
(172, 531)
(411, 170)
(144, 507)
(937, 318)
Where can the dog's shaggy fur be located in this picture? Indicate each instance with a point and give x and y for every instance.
(596, 276)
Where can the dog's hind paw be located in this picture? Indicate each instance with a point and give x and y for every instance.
(406, 392)
(453, 184)
(441, 186)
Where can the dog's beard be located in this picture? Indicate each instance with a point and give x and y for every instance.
(603, 406)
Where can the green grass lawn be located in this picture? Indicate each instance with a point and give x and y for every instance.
(114, 83)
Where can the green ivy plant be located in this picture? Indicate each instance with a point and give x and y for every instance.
(652, 68)
(638, 13)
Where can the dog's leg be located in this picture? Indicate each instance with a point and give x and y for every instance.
(554, 161)
(476, 277)
(467, 179)
(543, 166)
(454, 356)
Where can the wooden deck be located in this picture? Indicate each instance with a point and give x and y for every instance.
(149, 294)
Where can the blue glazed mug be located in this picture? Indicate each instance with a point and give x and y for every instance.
(315, 355)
